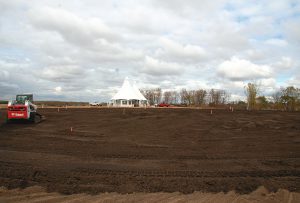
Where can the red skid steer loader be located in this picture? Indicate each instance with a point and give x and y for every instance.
(23, 109)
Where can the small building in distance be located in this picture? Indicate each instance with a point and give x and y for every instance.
(128, 96)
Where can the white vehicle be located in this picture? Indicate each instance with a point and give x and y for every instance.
(95, 104)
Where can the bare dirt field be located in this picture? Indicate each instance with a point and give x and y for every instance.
(152, 150)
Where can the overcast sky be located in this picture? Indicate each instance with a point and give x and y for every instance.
(83, 50)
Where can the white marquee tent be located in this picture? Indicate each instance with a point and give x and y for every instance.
(128, 96)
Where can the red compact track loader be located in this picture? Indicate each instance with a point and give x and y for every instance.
(23, 109)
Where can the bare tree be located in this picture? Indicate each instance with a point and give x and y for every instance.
(276, 96)
(277, 99)
(251, 91)
(225, 96)
(200, 97)
(187, 97)
(218, 97)
(214, 97)
(152, 95)
(157, 95)
(191, 97)
(167, 97)
(175, 97)
(262, 102)
(148, 94)
(290, 97)
(183, 96)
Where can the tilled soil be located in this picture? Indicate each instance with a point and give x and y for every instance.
(152, 150)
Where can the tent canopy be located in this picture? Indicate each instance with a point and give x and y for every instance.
(129, 92)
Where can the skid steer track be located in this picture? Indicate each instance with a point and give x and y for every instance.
(36, 117)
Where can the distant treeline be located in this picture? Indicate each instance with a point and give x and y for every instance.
(212, 97)
(3, 102)
(287, 98)
(284, 99)
(60, 103)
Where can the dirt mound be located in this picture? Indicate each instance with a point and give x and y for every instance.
(38, 194)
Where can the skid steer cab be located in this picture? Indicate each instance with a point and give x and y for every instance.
(23, 109)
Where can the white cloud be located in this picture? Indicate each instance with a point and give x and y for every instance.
(267, 86)
(71, 27)
(57, 90)
(269, 82)
(4, 75)
(177, 51)
(284, 63)
(194, 6)
(63, 73)
(237, 97)
(196, 84)
(277, 42)
(254, 55)
(8, 90)
(6, 6)
(223, 34)
(240, 69)
(294, 81)
(159, 68)
(292, 30)
(88, 47)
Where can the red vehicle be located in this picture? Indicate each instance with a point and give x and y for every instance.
(163, 105)
(23, 109)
